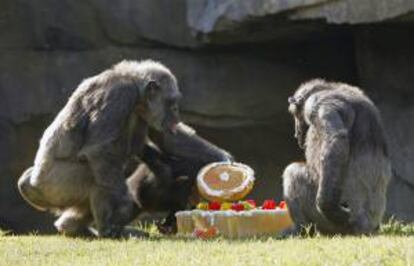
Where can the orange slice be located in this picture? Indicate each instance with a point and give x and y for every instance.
(225, 181)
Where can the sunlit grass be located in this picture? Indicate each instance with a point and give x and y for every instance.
(394, 245)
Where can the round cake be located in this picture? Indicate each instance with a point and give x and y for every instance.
(225, 181)
(234, 223)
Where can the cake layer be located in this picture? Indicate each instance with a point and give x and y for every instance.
(235, 224)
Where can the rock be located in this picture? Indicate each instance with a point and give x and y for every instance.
(91, 24)
(400, 199)
(386, 70)
(139, 21)
(229, 22)
(49, 25)
(223, 89)
(207, 16)
(356, 11)
(18, 145)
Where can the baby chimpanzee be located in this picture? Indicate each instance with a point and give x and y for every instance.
(165, 182)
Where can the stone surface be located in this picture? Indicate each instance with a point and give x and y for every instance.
(356, 11)
(18, 145)
(224, 88)
(386, 68)
(228, 21)
(206, 16)
(52, 24)
(92, 24)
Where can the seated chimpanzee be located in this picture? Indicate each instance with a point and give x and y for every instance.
(165, 182)
(341, 188)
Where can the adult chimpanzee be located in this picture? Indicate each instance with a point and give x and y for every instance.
(341, 188)
(78, 169)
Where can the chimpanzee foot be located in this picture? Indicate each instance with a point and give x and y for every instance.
(82, 233)
(118, 232)
(290, 232)
(32, 195)
(298, 230)
(166, 228)
(129, 232)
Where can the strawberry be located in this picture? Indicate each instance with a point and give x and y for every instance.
(210, 233)
(214, 206)
(198, 233)
(269, 205)
(282, 204)
(205, 233)
(237, 207)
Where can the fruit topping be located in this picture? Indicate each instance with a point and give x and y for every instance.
(269, 205)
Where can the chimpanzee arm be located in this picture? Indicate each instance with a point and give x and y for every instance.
(157, 163)
(334, 159)
(186, 144)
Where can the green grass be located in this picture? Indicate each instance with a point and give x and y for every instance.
(393, 246)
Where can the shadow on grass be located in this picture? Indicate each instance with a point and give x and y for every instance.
(390, 228)
(396, 228)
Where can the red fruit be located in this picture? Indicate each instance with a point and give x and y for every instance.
(214, 206)
(205, 233)
(269, 205)
(237, 207)
(282, 204)
(211, 232)
(251, 202)
(198, 232)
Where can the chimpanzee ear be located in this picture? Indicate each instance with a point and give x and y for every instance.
(151, 90)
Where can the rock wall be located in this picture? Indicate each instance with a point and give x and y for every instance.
(236, 61)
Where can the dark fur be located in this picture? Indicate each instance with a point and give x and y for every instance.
(78, 169)
(166, 182)
(342, 186)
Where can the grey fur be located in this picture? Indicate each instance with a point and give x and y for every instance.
(78, 168)
(166, 181)
(342, 186)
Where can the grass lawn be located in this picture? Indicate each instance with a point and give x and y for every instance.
(393, 246)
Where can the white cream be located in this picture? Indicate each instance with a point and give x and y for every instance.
(204, 213)
(224, 176)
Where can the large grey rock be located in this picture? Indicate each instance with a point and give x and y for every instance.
(386, 68)
(207, 16)
(400, 200)
(221, 89)
(18, 144)
(50, 24)
(91, 24)
(136, 21)
(229, 21)
(356, 11)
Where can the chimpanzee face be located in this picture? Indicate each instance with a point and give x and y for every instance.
(296, 109)
(162, 100)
